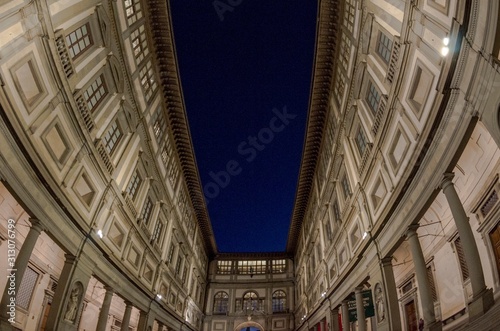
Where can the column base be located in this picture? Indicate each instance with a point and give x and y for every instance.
(481, 304)
(434, 326)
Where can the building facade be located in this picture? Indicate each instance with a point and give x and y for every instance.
(103, 220)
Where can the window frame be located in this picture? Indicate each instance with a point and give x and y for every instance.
(384, 47)
(106, 141)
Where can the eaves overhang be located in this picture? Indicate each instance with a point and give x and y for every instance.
(322, 78)
(160, 23)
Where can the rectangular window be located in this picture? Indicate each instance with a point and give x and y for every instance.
(279, 266)
(384, 47)
(95, 93)
(339, 88)
(159, 125)
(361, 141)
(336, 211)
(170, 256)
(178, 265)
(328, 231)
(25, 292)
(147, 210)
(346, 188)
(133, 11)
(349, 14)
(461, 259)
(112, 137)
(148, 81)
(79, 40)
(184, 274)
(134, 184)
(345, 51)
(224, 267)
(157, 232)
(139, 44)
(252, 267)
(432, 284)
(372, 97)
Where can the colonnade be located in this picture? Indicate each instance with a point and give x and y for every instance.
(482, 297)
(66, 306)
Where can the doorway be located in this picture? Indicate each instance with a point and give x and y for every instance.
(411, 316)
(495, 244)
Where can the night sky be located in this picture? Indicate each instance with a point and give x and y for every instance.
(245, 68)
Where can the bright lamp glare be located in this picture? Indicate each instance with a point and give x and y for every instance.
(99, 233)
(444, 51)
(446, 41)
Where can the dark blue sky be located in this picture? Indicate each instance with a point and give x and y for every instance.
(246, 75)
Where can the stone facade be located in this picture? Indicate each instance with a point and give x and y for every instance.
(102, 211)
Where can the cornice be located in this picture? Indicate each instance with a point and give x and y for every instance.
(253, 256)
(160, 23)
(322, 78)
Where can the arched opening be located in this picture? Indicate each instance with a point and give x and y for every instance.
(249, 326)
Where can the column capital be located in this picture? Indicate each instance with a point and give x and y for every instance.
(447, 180)
(36, 225)
(70, 258)
(358, 289)
(386, 261)
(109, 290)
(128, 304)
(412, 230)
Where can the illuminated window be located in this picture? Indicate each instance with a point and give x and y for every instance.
(160, 126)
(349, 14)
(133, 11)
(252, 267)
(224, 267)
(278, 266)
(148, 81)
(139, 44)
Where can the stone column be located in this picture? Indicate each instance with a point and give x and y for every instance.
(482, 298)
(345, 316)
(360, 309)
(146, 319)
(160, 326)
(70, 291)
(334, 320)
(391, 295)
(103, 314)
(17, 270)
(126, 316)
(423, 282)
